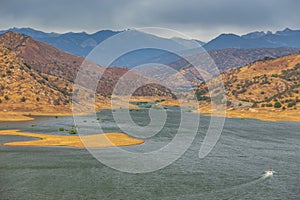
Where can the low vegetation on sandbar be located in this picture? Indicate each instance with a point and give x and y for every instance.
(87, 141)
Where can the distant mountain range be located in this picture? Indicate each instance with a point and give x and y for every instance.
(285, 38)
(75, 43)
(82, 43)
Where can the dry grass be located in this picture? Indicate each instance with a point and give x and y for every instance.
(89, 141)
(9, 117)
(265, 114)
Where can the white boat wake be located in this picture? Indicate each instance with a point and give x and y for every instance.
(268, 173)
(258, 180)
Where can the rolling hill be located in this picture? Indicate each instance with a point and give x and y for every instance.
(24, 89)
(271, 87)
(225, 59)
(39, 77)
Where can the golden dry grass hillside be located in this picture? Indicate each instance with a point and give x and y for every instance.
(24, 89)
(39, 79)
(271, 87)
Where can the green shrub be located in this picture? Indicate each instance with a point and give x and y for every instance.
(27, 65)
(277, 105)
(141, 103)
(23, 99)
(72, 131)
(61, 129)
(8, 72)
(291, 104)
(158, 101)
(254, 105)
(56, 102)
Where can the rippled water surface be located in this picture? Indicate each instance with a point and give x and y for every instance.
(233, 170)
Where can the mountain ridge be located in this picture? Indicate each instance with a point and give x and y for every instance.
(256, 39)
(77, 43)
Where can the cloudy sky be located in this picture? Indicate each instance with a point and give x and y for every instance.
(201, 19)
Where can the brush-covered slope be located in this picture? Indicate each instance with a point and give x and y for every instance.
(34, 73)
(271, 84)
(42, 57)
(25, 89)
(224, 59)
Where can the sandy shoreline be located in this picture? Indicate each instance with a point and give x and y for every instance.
(264, 115)
(89, 141)
(254, 113)
(290, 116)
(259, 114)
(26, 116)
(13, 117)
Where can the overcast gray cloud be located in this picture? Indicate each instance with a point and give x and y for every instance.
(200, 19)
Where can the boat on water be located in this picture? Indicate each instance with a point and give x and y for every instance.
(270, 172)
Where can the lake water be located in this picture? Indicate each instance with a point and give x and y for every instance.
(232, 170)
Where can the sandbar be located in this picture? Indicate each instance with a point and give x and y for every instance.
(76, 141)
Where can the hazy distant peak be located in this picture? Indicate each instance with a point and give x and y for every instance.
(254, 35)
(187, 42)
(257, 39)
(285, 31)
(31, 32)
(228, 35)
